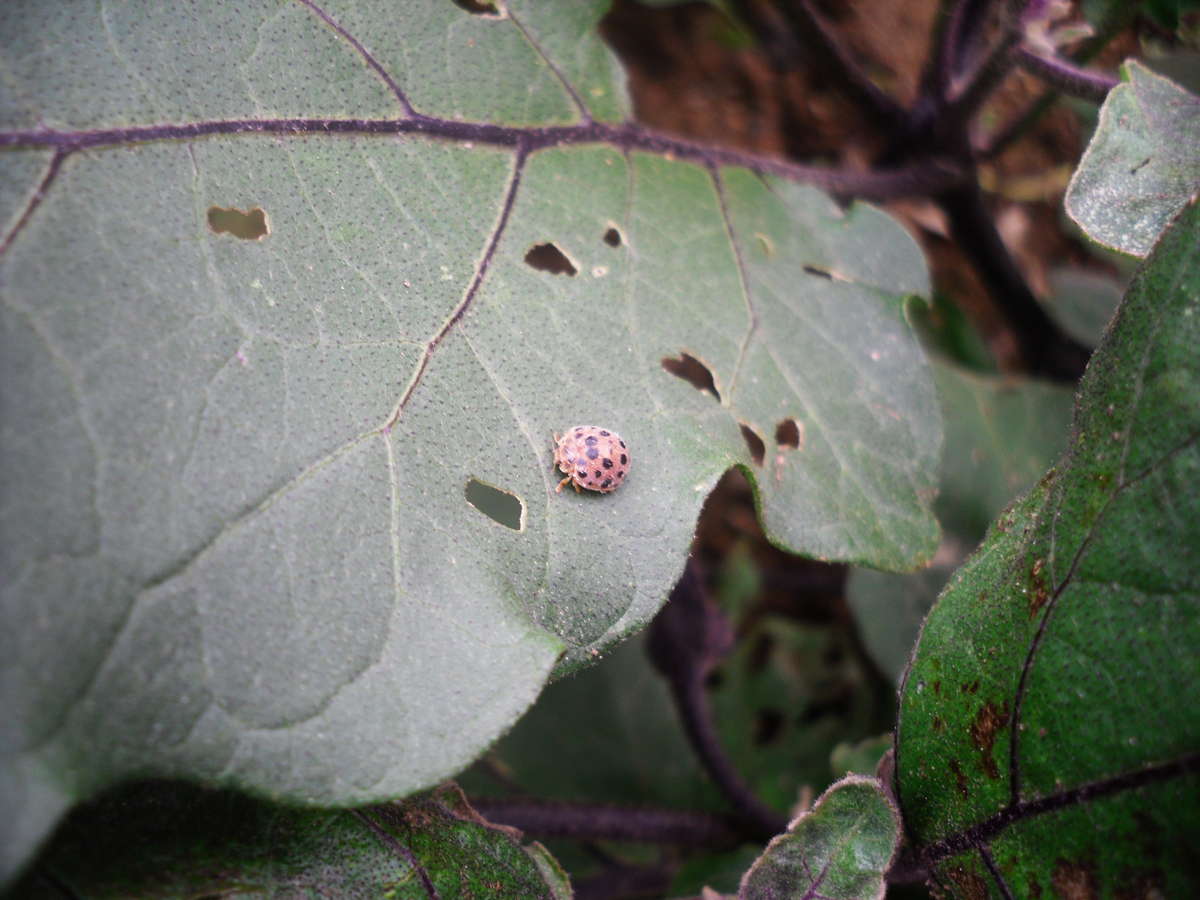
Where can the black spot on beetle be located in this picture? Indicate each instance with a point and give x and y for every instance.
(578, 432)
(591, 440)
(622, 443)
(624, 458)
(606, 482)
(592, 452)
(604, 434)
(583, 473)
(607, 463)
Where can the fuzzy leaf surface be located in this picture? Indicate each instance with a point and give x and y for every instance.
(839, 850)
(1142, 164)
(239, 460)
(1049, 733)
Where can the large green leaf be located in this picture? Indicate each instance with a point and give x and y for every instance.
(839, 850)
(1142, 165)
(295, 292)
(172, 841)
(1049, 733)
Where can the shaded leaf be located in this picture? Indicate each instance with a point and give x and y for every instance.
(1083, 302)
(239, 543)
(1142, 164)
(839, 850)
(1049, 733)
(154, 840)
(1001, 435)
(861, 758)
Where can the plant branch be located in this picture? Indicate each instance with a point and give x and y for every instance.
(836, 62)
(923, 179)
(1064, 76)
(1122, 14)
(967, 94)
(1047, 350)
(687, 638)
(626, 881)
(607, 822)
(963, 34)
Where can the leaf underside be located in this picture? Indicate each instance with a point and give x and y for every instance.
(840, 850)
(1142, 164)
(277, 296)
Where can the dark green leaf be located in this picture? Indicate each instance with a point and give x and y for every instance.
(171, 842)
(1049, 735)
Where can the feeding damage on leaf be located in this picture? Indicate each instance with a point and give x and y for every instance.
(548, 258)
(251, 225)
(693, 371)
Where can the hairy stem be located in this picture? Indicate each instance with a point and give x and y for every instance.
(1066, 77)
(606, 822)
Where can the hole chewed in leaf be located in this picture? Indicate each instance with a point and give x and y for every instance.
(499, 506)
(819, 272)
(548, 258)
(477, 7)
(758, 450)
(612, 237)
(246, 226)
(788, 434)
(693, 371)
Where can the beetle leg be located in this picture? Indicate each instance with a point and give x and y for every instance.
(558, 490)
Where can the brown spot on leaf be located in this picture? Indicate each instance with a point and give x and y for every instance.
(971, 688)
(1039, 595)
(938, 725)
(1073, 881)
(1035, 889)
(937, 687)
(983, 733)
(960, 779)
(969, 885)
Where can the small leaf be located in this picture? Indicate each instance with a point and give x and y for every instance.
(163, 841)
(1142, 165)
(1049, 729)
(840, 850)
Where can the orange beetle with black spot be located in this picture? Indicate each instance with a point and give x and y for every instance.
(592, 457)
